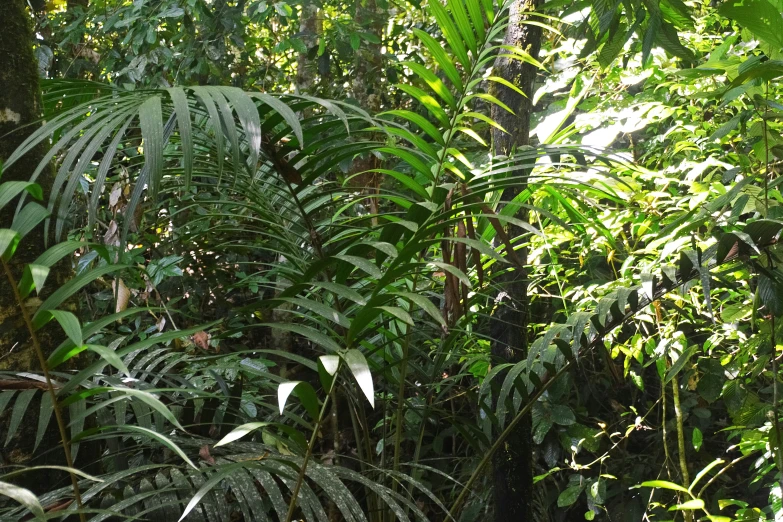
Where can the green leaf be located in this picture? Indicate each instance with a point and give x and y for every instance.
(25, 497)
(71, 287)
(697, 438)
(703, 472)
(9, 239)
(283, 9)
(111, 357)
(425, 304)
(457, 9)
(247, 112)
(216, 478)
(330, 363)
(760, 17)
(569, 495)
(441, 57)
(155, 435)
(75, 471)
(430, 129)
(34, 276)
(182, 110)
(288, 115)
(648, 285)
(663, 484)
(450, 33)
(562, 415)
(680, 363)
(240, 431)
(44, 416)
(433, 81)
(151, 123)
(342, 291)
(304, 391)
(10, 189)
(327, 368)
(692, 504)
(308, 332)
(770, 294)
(506, 83)
(361, 372)
(18, 413)
(430, 103)
(398, 313)
(30, 216)
(363, 264)
(324, 310)
(69, 323)
(144, 396)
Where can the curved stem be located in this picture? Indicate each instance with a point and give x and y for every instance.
(502, 439)
(686, 479)
(45, 368)
(598, 339)
(309, 453)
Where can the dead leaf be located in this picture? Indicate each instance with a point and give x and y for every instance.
(205, 456)
(123, 295)
(116, 192)
(201, 339)
(112, 237)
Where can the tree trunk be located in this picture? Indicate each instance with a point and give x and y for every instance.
(309, 29)
(20, 109)
(513, 464)
(368, 68)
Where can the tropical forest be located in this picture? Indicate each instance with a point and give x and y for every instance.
(391, 260)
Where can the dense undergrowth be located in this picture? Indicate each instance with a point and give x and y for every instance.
(282, 305)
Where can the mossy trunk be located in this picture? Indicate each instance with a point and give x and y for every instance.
(310, 30)
(20, 110)
(513, 464)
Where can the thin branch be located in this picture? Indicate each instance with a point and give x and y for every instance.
(45, 368)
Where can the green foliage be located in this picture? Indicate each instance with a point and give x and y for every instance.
(285, 299)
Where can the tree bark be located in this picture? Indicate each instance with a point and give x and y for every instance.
(309, 29)
(513, 464)
(20, 110)
(368, 67)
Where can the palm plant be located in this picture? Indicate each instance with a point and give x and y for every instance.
(394, 300)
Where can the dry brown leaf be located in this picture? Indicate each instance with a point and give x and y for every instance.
(205, 456)
(123, 295)
(201, 339)
(116, 192)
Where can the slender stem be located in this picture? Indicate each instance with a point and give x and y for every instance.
(365, 455)
(45, 368)
(400, 403)
(399, 417)
(686, 479)
(309, 453)
(501, 440)
(776, 400)
(663, 425)
(775, 392)
(721, 472)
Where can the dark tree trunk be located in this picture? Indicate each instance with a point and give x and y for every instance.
(368, 70)
(513, 464)
(20, 106)
(309, 29)
(20, 109)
